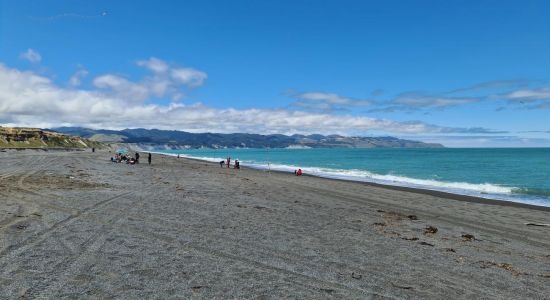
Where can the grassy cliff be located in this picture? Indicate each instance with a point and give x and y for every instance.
(38, 138)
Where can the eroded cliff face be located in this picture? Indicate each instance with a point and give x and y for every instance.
(15, 137)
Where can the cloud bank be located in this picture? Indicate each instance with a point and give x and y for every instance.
(527, 93)
(116, 102)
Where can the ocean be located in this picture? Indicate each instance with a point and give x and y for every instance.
(509, 174)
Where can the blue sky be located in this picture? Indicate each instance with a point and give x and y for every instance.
(465, 73)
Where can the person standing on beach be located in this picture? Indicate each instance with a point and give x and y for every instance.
(137, 157)
(149, 158)
(228, 161)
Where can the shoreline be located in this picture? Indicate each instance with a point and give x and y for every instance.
(74, 223)
(417, 190)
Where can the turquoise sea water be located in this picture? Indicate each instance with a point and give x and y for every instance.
(519, 175)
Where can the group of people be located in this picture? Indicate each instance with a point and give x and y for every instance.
(227, 161)
(121, 157)
(236, 165)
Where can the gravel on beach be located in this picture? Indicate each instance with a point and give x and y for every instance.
(75, 225)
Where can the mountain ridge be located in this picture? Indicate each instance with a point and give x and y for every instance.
(181, 139)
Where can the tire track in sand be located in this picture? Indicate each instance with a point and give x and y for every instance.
(91, 246)
(86, 251)
(36, 238)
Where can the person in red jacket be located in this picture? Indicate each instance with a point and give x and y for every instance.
(299, 172)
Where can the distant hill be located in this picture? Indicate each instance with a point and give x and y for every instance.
(15, 137)
(151, 138)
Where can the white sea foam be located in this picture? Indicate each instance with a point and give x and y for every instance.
(365, 176)
(486, 190)
(210, 159)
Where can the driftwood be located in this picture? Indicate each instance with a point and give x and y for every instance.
(537, 224)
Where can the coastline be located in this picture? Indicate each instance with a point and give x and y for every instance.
(424, 191)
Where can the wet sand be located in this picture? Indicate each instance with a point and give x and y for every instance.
(74, 225)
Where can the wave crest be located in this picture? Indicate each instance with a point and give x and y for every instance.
(487, 190)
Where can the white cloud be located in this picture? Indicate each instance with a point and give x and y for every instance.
(461, 141)
(431, 101)
(122, 87)
(154, 64)
(77, 77)
(31, 55)
(507, 91)
(331, 98)
(320, 106)
(529, 94)
(29, 99)
(413, 101)
(188, 76)
(164, 80)
(327, 102)
(496, 84)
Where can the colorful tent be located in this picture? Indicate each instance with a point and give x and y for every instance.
(122, 151)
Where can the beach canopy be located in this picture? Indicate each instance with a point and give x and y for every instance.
(122, 151)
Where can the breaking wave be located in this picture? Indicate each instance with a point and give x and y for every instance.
(484, 190)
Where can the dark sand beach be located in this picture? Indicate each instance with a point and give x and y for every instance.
(74, 225)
